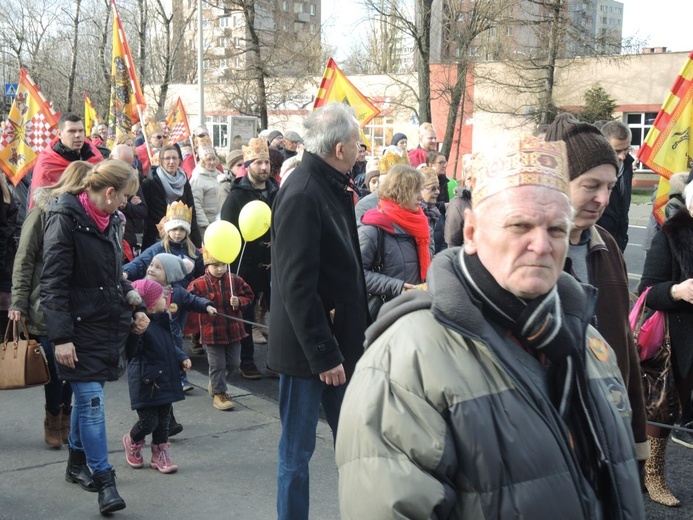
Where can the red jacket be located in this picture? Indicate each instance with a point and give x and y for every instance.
(216, 330)
(50, 165)
(143, 156)
(417, 156)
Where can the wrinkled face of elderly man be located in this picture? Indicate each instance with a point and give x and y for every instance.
(521, 237)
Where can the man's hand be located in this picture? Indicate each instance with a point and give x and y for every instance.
(334, 377)
(187, 364)
(15, 315)
(211, 310)
(65, 354)
(141, 323)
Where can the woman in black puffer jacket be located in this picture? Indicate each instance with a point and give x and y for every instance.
(88, 319)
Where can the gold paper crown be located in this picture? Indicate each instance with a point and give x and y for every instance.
(205, 142)
(391, 159)
(526, 162)
(178, 211)
(256, 149)
(430, 176)
(207, 258)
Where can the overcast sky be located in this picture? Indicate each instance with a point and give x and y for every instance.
(662, 22)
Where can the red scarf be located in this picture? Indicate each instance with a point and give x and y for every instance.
(100, 218)
(414, 223)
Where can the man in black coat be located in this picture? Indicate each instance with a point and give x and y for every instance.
(255, 264)
(615, 217)
(319, 311)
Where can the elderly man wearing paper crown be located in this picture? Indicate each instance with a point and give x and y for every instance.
(491, 395)
(255, 264)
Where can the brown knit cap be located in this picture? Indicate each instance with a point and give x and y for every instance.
(587, 147)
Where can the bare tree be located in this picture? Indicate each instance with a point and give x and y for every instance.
(73, 63)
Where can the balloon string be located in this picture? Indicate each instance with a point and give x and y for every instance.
(241, 259)
(228, 267)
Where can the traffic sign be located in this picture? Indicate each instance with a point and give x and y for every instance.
(11, 89)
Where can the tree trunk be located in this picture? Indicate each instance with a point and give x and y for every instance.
(141, 40)
(554, 34)
(168, 67)
(424, 70)
(456, 95)
(257, 65)
(106, 65)
(73, 64)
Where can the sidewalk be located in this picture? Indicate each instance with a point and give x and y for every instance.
(639, 214)
(227, 460)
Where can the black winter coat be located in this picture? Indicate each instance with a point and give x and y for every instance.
(154, 365)
(615, 217)
(257, 254)
(316, 268)
(669, 261)
(155, 197)
(82, 293)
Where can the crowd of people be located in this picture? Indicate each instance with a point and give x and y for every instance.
(468, 340)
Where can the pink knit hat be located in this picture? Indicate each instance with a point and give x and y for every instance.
(149, 290)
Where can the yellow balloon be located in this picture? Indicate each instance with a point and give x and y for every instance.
(254, 220)
(222, 241)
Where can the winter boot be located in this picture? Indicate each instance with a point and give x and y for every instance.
(77, 470)
(654, 474)
(65, 418)
(174, 427)
(109, 499)
(133, 451)
(51, 430)
(161, 458)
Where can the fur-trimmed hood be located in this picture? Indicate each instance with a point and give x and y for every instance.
(679, 231)
(677, 183)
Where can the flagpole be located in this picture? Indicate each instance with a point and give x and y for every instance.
(146, 137)
(200, 64)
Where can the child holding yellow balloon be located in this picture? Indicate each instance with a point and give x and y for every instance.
(222, 335)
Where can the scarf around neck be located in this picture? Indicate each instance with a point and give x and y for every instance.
(100, 218)
(414, 223)
(538, 325)
(173, 184)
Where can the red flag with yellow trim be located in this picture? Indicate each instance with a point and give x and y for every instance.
(336, 87)
(91, 120)
(30, 127)
(668, 147)
(177, 123)
(126, 93)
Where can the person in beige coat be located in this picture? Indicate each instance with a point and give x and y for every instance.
(205, 188)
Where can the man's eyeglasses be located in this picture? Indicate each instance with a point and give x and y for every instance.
(157, 137)
(202, 135)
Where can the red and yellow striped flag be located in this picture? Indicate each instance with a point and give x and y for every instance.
(335, 87)
(177, 123)
(91, 120)
(30, 127)
(668, 147)
(126, 93)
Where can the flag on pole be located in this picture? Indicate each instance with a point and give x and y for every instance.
(30, 127)
(127, 100)
(177, 122)
(668, 147)
(91, 120)
(336, 87)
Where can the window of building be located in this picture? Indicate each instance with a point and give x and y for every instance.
(298, 26)
(298, 7)
(223, 42)
(508, 31)
(313, 9)
(312, 28)
(222, 63)
(379, 132)
(219, 128)
(237, 42)
(206, 23)
(285, 5)
(237, 62)
(639, 124)
(225, 21)
(205, 64)
(237, 20)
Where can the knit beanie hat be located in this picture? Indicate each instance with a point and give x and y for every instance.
(149, 290)
(273, 135)
(397, 138)
(176, 268)
(587, 147)
(370, 175)
(233, 157)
